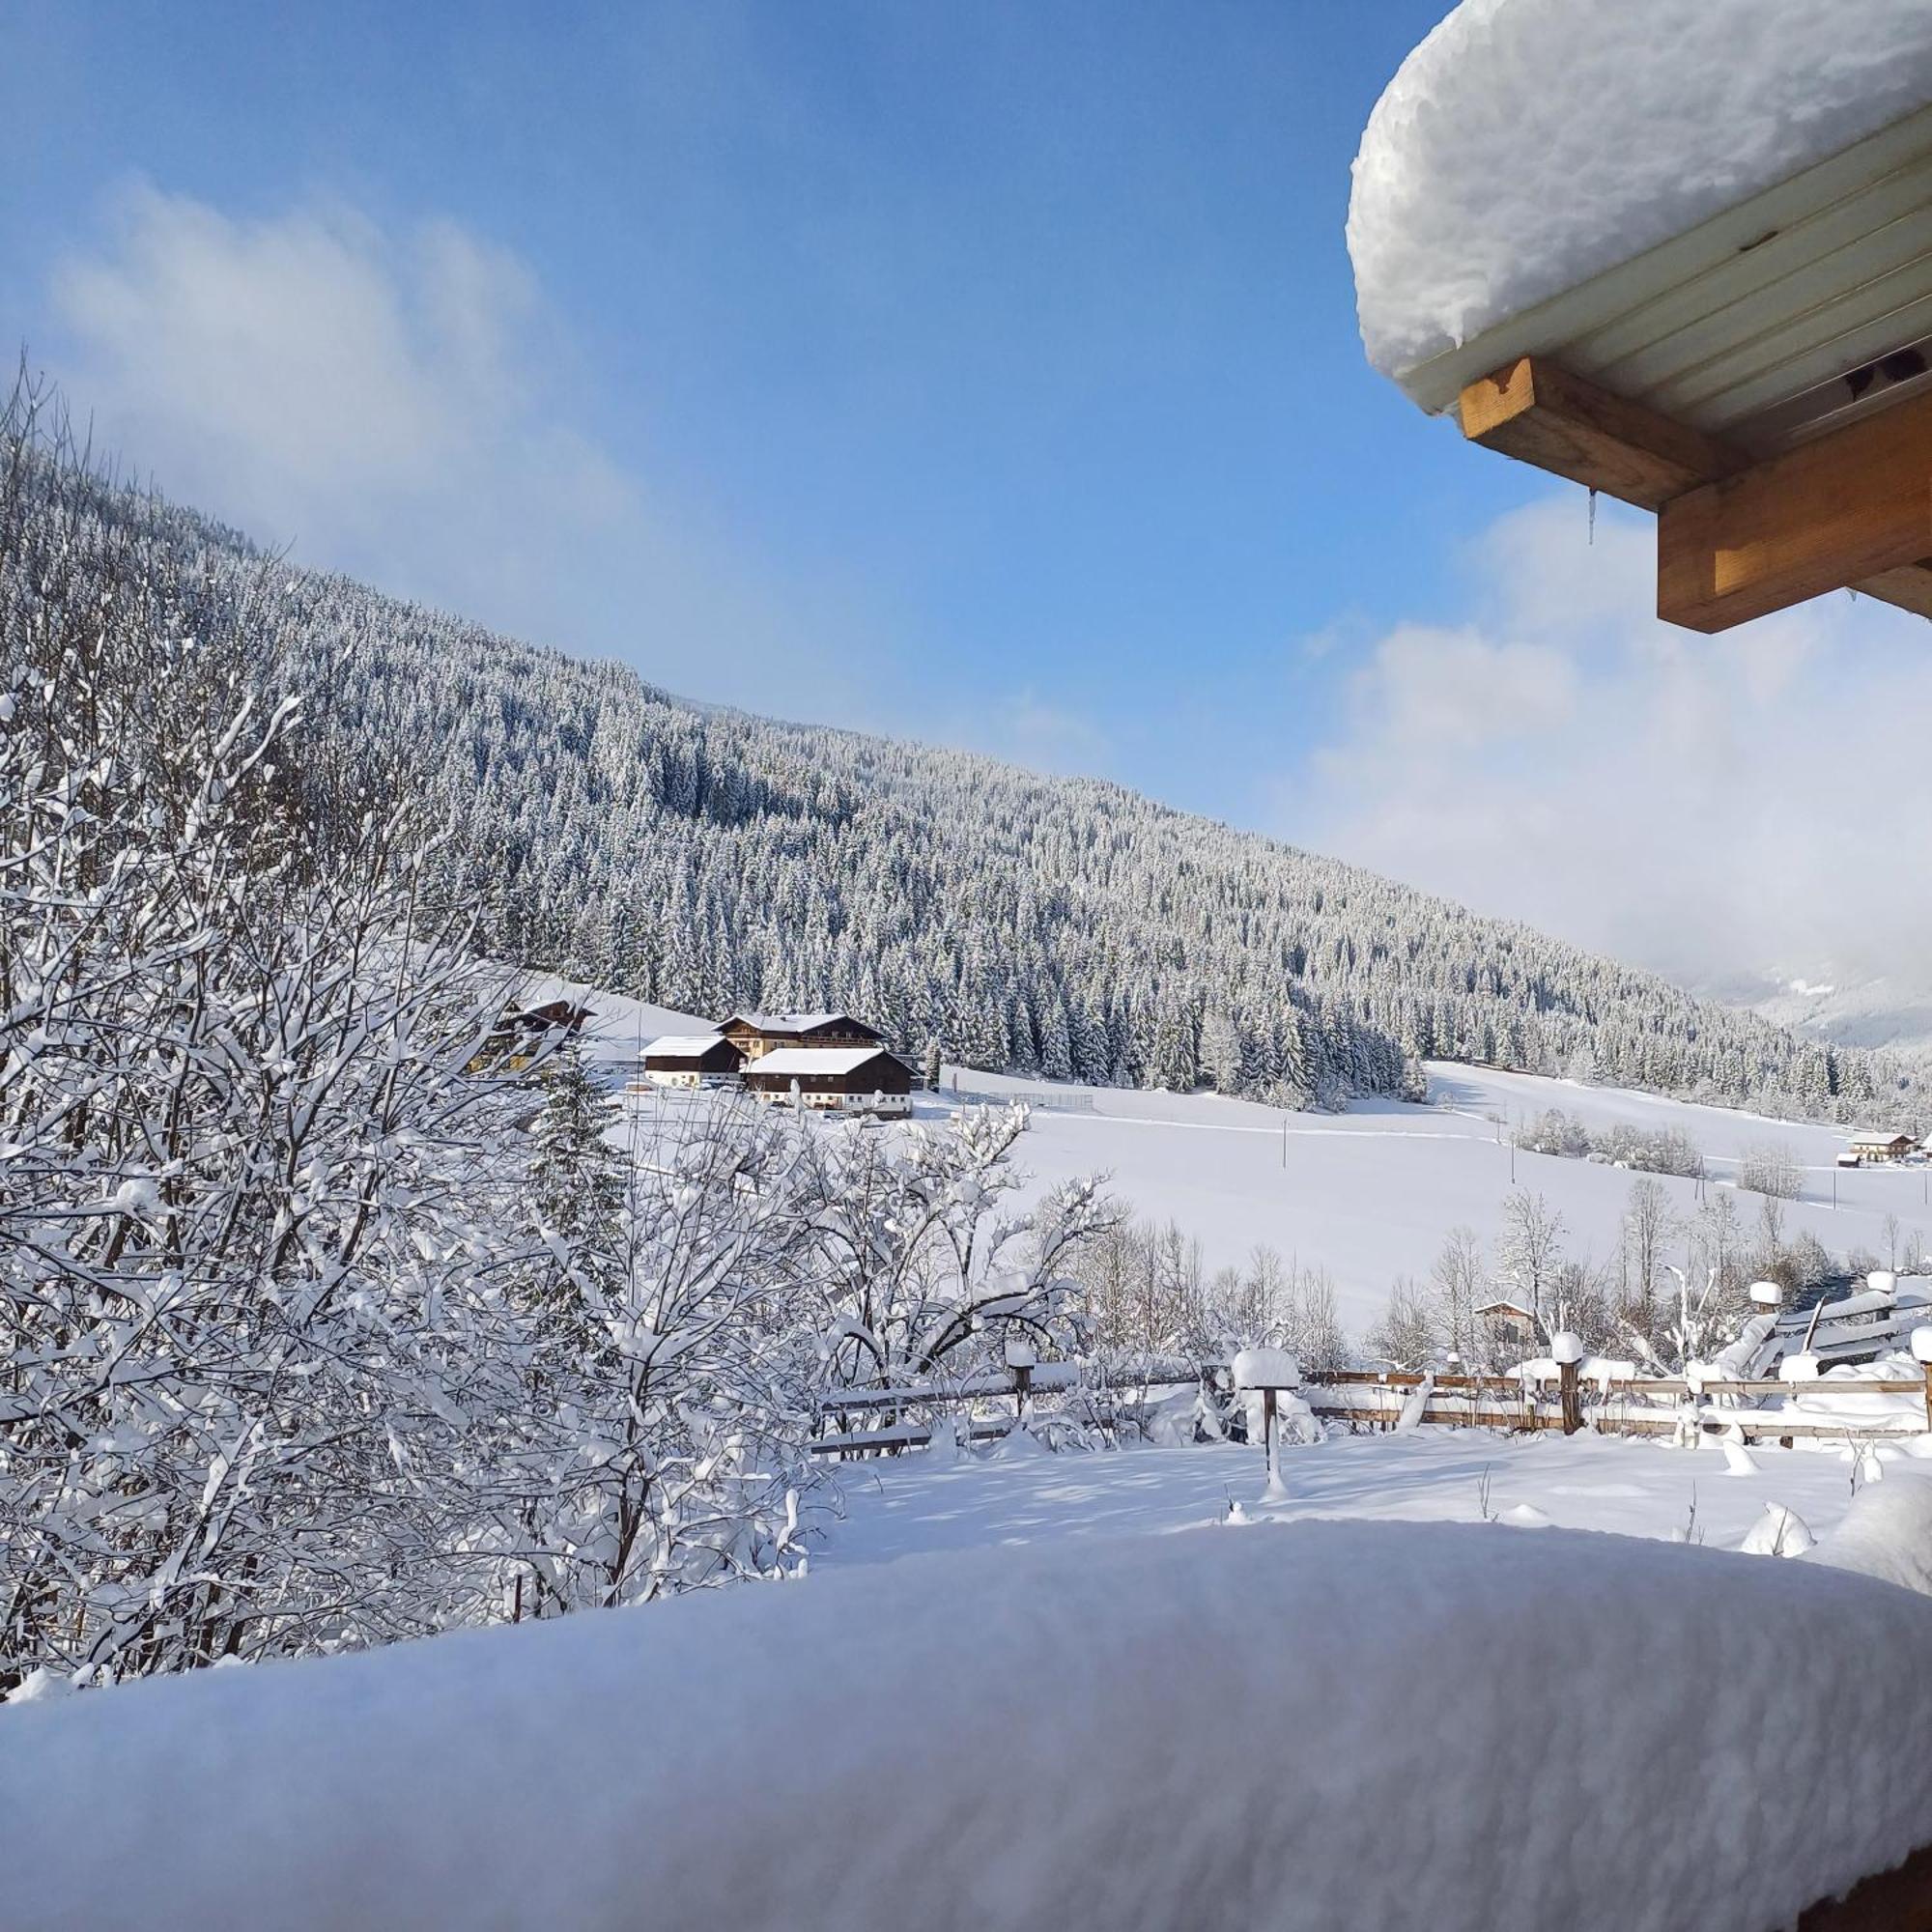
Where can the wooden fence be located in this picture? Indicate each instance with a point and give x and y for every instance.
(1374, 1399)
(1633, 1406)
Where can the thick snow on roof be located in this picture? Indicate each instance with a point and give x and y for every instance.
(683, 1045)
(1528, 145)
(796, 1063)
(1310, 1725)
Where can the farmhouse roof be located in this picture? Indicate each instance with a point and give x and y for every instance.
(801, 1062)
(682, 1045)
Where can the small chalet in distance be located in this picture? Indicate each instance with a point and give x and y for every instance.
(833, 1079)
(1878, 1145)
(1509, 1318)
(525, 1031)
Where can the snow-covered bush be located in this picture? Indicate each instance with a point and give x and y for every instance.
(662, 1412)
(245, 1233)
(925, 1262)
(1620, 1144)
(1769, 1168)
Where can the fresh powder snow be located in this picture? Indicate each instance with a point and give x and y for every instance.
(1528, 145)
(1212, 1729)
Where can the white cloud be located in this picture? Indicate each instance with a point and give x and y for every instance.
(300, 364)
(1715, 807)
(388, 401)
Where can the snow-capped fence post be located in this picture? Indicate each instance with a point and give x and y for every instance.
(1021, 1358)
(1567, 1350)
(1922, 1353)
(1265, 1372)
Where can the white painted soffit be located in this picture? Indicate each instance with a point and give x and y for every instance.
(1795, 310)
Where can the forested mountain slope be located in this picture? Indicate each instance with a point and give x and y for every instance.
(707, 860)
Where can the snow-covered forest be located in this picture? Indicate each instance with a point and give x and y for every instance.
(706, 861)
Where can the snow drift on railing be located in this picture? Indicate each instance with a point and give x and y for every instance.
(1304, 1725)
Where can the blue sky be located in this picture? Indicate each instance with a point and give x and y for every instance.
(985, 372)
(1010, 350)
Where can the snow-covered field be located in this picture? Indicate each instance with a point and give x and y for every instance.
(1371, 1193)
(911, 1505)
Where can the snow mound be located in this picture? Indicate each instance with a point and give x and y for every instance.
(1527, 145)
(1777, 1532)
(1887, 1533)
(1524, 1515)
(970, 1732)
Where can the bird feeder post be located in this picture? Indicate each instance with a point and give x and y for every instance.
(1568, 1350)
(1265, 1372)
(1021, 1358)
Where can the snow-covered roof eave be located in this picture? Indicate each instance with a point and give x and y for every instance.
(807, 1062)
(684, 1046)
(1710, 206)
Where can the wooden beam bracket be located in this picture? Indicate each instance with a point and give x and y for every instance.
(1736, 539)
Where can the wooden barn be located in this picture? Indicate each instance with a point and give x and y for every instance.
(699, 1060)
(755, 1035)
(525, 1031)
(831, 1079)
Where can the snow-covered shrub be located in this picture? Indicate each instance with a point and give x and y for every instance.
(1619, 1144)
(662, 1415)
(926, 1265)
(1769, 1168)
(247, 1221)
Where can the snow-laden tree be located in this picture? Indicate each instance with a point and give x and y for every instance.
(666, 1407)
(245, 1259)
(1406, 1332)
(1529, 1258)
(926, 1264)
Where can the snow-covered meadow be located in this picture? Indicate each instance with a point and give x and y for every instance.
(1370, 1194)
(916, 1504)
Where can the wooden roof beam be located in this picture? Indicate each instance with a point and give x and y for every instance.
(1848, 509)
(1827, 515)
(1538, 412)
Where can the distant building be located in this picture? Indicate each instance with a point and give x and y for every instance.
(524, 1031)
(1878, 1144)
(831, 1079)
(692, 1060)
(755, 1035)
(1509, 1318)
